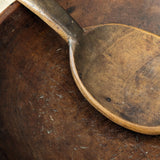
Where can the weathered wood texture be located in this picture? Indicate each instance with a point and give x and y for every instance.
(55, 16)
(119, 66)
(42, 113)
(115, 62)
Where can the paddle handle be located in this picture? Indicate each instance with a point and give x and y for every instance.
(55, 16)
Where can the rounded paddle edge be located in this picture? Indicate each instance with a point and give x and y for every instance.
(148, 130)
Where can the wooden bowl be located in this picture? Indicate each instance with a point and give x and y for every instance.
(42, 113)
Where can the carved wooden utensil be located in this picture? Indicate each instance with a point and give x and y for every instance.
(116, 67)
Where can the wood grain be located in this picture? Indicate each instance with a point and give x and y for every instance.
(55, 16)
(42, 113)
(119, 67)
(104, 77)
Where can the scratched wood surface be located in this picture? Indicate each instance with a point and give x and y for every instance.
(119, 66)
(42, 113)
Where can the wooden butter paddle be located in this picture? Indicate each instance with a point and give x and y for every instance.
(116, 67)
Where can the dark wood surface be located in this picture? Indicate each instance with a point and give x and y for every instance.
(43, 116)
(55, 16)
(115, 66)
